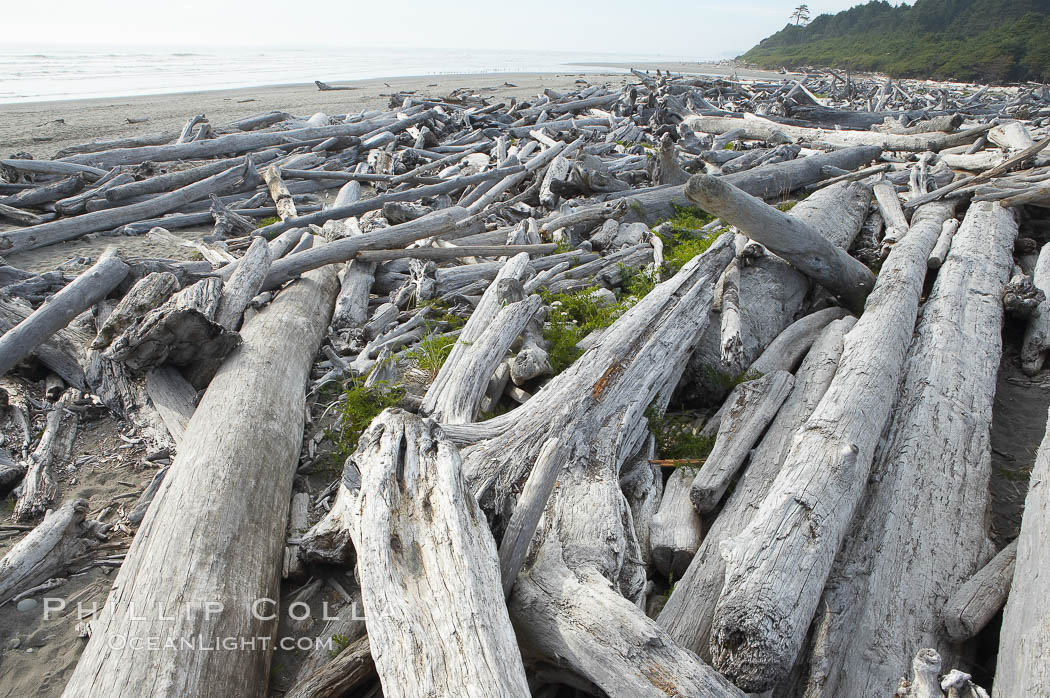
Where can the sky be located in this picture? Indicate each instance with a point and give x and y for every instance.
(696, 29)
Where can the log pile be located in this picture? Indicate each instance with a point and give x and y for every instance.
(613, 415)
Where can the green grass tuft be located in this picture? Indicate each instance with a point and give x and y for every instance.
(432, 352)
(574, 317)
(269, 220)
(676, 439)
(357, 407)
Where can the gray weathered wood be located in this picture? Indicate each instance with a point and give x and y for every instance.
(689, 612)
(894, 572)
(786, 236)
(243, 284)
(86, 290)
(48, 550)
(38, 486)
(147, 293)
(72, 228)
(970, 607)
(1037, 333)
(1024, 641)
(435, 592)
(437, 223)
(750, 408)
(236, 464)
(766, 604)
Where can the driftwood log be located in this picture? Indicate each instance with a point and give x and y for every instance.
(766, 604)
(1025, 636)
(895, 572)
(229, 451)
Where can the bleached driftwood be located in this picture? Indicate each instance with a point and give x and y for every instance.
(689, 611)
(944, 244)
(56, 445)
(181, 331)
(750, 408)
(243, 285)
(821, 482)
(147, 293)
(86, 290)
(975, 603)
(676, 530)
(565, 604)
(1024, 641)
(894, 574)
(772, 293)
(436, 588)
(1037, 333)
(49, 549)
(786, 236)
(449, 395)
(243, 439)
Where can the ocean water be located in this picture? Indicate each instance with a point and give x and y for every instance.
(40, 73)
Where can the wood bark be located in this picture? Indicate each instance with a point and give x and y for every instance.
(766, 605)
(1024, 641)
(244, 438)
(86, 290)
(895, 572)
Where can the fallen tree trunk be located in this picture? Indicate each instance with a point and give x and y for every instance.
(243, 438)
(569, 601)
(688, 613)
(750, 408)
(766, 605)
(895, 571)
(72, 228)
(428, 566)
(768, 182)
(765, 130)
(975, 603)
(56, 445)
(224, 145)
(1024, 641)
(434, 224)
(49, 549)
(86, 290)
(772, 294)
(786, 236)
(1037, 333)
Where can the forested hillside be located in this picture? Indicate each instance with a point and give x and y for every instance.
(985, 40)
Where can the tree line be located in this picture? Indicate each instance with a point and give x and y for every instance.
(982, 40)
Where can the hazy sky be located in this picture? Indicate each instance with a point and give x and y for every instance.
(696, 29)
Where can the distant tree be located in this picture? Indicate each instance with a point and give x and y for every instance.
(801, 15)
